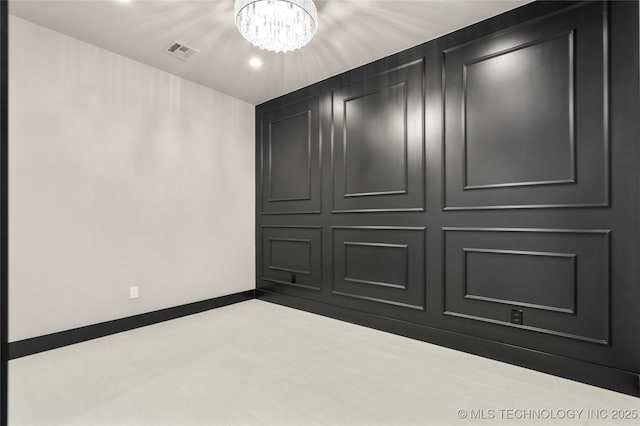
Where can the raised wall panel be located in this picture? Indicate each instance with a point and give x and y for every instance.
(292, 256)
(545, 280)
(380, 264)
(375, 142)
(378, 142)
(290, 158)
(290, 163)
(558, 278)
(525, 116)
(503, 151)
(385, 265)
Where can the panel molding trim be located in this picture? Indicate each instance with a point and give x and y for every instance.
(571, 256)
(313, 275)
(570, 35)
(574, 313)
(406, 295)
(298, 177)
(290, 240)
(580, 176)
(379, 300)
(276, 281)
(403, 84)
(308, 196)
(370, 282)
(528, 327)
(360, 189)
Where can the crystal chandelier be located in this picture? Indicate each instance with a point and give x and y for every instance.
(277, 25)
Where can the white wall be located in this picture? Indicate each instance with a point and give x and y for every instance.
(120, 175)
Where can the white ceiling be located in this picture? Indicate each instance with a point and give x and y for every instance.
(351, 33)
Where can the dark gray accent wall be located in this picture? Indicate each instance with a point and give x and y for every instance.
(484, 185)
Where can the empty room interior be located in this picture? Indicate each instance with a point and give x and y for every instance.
(327, 212)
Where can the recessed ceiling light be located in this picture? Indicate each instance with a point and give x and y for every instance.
(255, 62)
(123, 1)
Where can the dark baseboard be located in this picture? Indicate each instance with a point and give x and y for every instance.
(606, 377)
(34, 345)
(597, 375)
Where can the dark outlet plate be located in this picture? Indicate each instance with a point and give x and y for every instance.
(516, 316)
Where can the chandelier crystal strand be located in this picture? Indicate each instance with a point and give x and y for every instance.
(277, 25)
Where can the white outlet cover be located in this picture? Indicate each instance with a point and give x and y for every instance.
(133, 292)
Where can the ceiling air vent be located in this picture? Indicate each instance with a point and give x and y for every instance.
(180, 50)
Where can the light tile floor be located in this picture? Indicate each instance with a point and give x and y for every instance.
(256, 363)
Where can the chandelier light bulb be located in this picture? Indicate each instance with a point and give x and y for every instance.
(277, 25)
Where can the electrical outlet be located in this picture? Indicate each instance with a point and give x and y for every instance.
(516, 316)
(133, 292)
